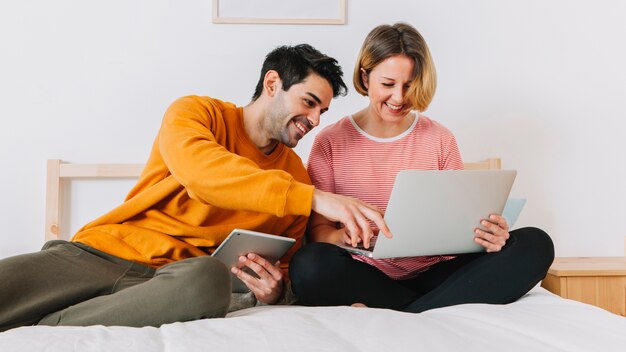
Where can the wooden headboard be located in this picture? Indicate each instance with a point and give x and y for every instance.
(58, 170)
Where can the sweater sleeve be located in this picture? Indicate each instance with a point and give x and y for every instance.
(212, 174)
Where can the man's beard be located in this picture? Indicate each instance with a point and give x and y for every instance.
(276, 127)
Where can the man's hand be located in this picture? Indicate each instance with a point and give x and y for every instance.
(498, 233)
(268, 287)
(352, 213)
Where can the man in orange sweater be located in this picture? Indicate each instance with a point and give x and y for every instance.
(214, 167)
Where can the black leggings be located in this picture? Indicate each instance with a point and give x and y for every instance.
(323, 274)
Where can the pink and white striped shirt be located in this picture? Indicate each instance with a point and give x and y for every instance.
(346, 160)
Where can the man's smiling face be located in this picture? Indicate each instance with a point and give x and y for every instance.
(297, 111)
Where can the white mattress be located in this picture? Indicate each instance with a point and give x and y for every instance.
(540, 321)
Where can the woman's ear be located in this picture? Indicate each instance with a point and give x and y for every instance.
(364, 78)
(271, 82)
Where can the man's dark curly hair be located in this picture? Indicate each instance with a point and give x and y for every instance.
(295, 63)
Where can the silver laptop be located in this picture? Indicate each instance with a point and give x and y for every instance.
(433, 212)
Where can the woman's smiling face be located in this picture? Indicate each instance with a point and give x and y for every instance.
(386, 86)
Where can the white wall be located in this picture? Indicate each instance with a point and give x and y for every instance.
(540, 84)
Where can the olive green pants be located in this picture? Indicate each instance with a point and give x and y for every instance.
(70, 283)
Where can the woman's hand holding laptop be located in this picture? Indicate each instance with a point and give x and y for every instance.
(494, 239)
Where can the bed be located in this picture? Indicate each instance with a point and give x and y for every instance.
(539, 321)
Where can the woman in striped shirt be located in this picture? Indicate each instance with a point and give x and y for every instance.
(360, 155)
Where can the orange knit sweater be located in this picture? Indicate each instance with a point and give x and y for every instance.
(204, 178)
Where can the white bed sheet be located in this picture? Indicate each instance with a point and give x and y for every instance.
(540, 321)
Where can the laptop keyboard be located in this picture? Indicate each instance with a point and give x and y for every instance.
(372, 244)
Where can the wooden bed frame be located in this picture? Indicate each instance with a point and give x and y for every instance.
(59, 170)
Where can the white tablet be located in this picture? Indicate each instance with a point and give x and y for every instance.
(242, 242)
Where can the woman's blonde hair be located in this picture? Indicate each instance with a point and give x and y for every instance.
(385, 41)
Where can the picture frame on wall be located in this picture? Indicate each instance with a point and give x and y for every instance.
(279, 11)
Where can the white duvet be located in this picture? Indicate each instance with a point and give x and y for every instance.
(540, 321)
